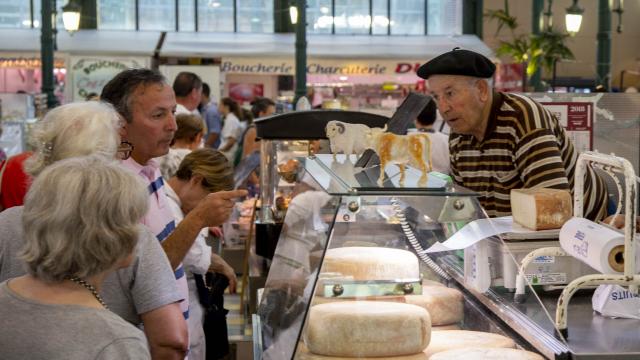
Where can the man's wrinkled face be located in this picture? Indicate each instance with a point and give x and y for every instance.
(460, 100)
(153, 121)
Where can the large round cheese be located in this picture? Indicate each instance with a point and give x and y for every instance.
(372, 263)
(460, 339)
(486, 354)
(445, 327)
(326, 300)
(302, 353)
(367, 328)
(445, 305)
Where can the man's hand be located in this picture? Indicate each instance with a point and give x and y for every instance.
(220, 266)
(216, 207)
(618, 222)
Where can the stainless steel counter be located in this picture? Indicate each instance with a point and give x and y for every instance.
(591, 336)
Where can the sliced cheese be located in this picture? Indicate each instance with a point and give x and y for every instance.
(372, 263)
(367, 328)
(541, 209)
(460, 339)
(486, 354)
(445, 305)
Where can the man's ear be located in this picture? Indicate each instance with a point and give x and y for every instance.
(196, 179)
(483, 89)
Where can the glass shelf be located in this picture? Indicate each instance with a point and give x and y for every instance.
(340, 177)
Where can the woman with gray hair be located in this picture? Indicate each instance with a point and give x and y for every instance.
(144, 292)
(72, 241)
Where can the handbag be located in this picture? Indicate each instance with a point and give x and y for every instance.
(211, 295)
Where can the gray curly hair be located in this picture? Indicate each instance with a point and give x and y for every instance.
(74, 129)
(81, 216)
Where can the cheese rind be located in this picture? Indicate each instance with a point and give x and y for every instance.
(460, 339)
(541, 208)
(445, 327)
(372, 263)
(367, 328)
(304, 354)
(486, 354)
(445, 305)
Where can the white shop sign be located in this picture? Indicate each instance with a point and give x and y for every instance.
(91, 73)
(286, 66)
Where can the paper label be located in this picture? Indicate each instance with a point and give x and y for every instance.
(547, 279)
(544, 260)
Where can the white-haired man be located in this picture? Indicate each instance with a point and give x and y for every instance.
(502, 141)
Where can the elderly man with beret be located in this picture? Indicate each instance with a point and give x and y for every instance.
(502, 141)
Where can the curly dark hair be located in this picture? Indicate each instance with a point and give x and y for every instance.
(119, 90)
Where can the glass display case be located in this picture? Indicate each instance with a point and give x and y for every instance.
(339, 225)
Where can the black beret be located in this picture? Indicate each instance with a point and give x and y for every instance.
(458, 62)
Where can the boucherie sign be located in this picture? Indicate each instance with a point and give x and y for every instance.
(275, 66)
(91, 74)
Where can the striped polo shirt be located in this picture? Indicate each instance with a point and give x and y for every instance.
(524, 147)
(159, 218)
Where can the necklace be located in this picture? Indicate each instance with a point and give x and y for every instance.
(89, 287)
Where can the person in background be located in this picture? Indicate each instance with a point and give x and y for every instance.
(260, 107)
(14, 182)
(203, 171)
(439, 141)
(72, 241)
(187, 87)
(212, 118)
(144, 292)
(232, 129)
(187, 138)
(502, 141)
(147, 103)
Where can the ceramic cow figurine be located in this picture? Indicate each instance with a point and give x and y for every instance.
(413, 149)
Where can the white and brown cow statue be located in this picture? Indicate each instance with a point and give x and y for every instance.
(347, 138)
(413, 149)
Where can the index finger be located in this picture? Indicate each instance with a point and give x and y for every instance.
(232, 194)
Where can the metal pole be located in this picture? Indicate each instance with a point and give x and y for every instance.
(603, 67)
(536, 26)
(301, 51)
(47, 40)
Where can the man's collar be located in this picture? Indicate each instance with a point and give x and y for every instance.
(148, 170)
(495, 107)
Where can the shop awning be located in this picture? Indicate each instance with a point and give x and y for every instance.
(189, 44)
(84, 42)
(320, 46)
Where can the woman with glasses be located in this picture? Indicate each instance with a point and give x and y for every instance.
(72, 241)
(201, 172)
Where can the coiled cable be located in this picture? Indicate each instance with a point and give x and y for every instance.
(413, 241)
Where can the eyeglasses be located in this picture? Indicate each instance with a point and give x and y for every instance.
(124, 150)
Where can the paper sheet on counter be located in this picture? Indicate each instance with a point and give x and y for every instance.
(476, 231)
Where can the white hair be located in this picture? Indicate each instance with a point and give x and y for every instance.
(74, 129)
(81, 216)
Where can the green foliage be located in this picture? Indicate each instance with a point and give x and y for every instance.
(536, 50)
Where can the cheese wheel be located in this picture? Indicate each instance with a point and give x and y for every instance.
(486, 354)
(460, 339)
(326, 300)
(541, 209)
(445, 305)
(372, 263)
(302, 353)
(367, 328)
(445, 327)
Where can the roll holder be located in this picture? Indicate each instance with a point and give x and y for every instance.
(610, 163)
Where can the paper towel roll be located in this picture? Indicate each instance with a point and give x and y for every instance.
(594, 244)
